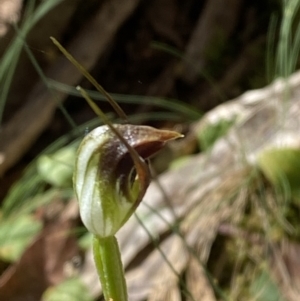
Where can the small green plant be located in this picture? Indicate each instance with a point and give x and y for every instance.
(110, 179)
(108, 191)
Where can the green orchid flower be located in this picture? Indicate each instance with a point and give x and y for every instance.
(106, 183)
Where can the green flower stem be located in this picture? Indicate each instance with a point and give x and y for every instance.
(110, 269)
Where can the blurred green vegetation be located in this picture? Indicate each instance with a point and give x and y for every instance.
(50, 174)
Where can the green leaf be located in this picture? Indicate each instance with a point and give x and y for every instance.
(264, 289)
(70, 290)
(42, 199)
(16, 234)
(57, 169)
(282, 168)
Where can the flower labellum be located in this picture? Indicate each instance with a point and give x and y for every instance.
(107, 181)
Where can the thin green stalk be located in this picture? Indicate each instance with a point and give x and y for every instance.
(270, 54)
(170, 104)
(110, 269)
(91, 79)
